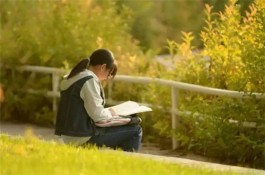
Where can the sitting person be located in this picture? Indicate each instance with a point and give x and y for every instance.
(82, 118)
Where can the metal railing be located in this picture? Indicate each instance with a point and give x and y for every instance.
(175, 87)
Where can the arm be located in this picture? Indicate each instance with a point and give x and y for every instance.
(90, 93)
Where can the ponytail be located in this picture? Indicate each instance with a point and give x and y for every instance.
(82, 65)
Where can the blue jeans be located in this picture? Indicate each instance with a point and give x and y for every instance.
(127, 137)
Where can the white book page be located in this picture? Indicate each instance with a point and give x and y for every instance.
(129, 107)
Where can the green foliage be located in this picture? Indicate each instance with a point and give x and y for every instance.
(21, 106)
(229, 130)
(232, 58)
(236, 48)
(57, 34)
(155, 21)
(28, 155)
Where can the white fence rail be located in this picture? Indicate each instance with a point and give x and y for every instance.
(175, 87)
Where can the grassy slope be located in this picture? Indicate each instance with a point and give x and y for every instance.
(30, 155)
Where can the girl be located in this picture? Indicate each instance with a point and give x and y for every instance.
(81, 116)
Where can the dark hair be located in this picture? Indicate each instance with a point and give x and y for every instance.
(82, 65)
(98, 57)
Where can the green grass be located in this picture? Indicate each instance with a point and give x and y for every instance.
(29, 155)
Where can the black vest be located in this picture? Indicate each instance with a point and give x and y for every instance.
(72, 118)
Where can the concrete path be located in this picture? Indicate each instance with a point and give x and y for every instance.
(147, 151)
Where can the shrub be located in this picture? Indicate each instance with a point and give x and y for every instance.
(57, 34)
(232, 58)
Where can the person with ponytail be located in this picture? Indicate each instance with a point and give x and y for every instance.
(82, 118)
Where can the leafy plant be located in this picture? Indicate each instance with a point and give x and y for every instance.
(56, 34)
(231, 59)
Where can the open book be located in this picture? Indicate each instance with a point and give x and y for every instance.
(129, 107)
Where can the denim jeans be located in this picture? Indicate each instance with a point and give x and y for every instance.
(127, 137)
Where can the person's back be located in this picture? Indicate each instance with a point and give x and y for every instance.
(72, 118)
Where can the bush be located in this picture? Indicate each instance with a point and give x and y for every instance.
(232, 58)
(57, 34)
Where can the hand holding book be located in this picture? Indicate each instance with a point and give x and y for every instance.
(123, 114)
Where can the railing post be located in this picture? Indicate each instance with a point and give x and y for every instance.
(55, 85)
(174, 99)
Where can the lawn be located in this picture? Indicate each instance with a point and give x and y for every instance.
(29, 155)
